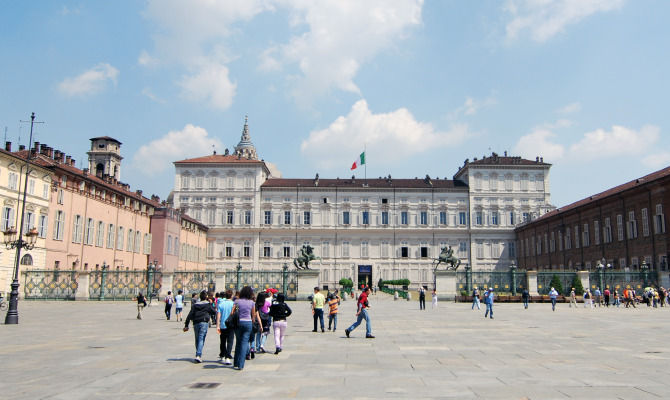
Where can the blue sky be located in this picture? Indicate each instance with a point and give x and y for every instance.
(422, 85)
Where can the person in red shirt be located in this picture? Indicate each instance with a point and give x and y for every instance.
(362, 313)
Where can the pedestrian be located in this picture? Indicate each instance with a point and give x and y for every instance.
(279, 311)
(179, 305)
(246, 308)
(168, 304)
(587, 298)
(200, 313)
(434, 299)
(475, 298)
(226, 333)
(488, 300)
(617, 300)
(333, 303)
(662, 296)
(422, 298)
(606, 295)
(318, 301)
(141, 303)
(525, 295)
(362, 314)
(263, 310)
(553, 294)
(598, 296)
(573, 298)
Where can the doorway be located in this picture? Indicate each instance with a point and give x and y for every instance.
(364, 275)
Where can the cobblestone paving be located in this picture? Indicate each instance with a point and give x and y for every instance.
(87, 350)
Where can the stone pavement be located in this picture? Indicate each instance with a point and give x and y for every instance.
(92, 350)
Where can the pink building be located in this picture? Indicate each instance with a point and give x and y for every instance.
(178, 241)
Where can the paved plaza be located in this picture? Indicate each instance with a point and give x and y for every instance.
(87, 350)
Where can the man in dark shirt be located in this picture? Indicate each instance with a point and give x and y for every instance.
(201, 312)
(361, 314)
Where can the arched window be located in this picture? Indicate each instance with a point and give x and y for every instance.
(27, 259)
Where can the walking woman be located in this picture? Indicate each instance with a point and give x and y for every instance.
(279, 311)
(246, 308)
(168, 304)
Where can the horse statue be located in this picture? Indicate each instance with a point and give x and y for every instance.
(306, 255)
(447, 257)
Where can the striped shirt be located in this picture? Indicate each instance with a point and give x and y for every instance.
(333, 306)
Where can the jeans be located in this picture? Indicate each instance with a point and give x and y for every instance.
(318, 314)
(525, 302)
(280, 328)
(200, 332)
(242, 334)
(226, 345)
(422, 302)
(475, 302)
(260, 340)
(553, 304)
(168, 310)
(361, 316)
(332, 320)
(489, 308)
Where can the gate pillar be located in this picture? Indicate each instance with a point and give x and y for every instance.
(308, 279)
(166, 284)
(584, 277)
(83, 282)
(531, 283)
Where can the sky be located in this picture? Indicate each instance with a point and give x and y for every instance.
(420, 85)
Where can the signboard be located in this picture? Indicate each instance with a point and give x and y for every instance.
(365, 269)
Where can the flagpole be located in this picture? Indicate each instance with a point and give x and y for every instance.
(366, 163)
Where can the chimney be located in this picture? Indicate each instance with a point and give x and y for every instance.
(8, 146)
(36, 146)
(72, 163)
(537, 158)
(139, 192)
(50, 152)
(57, 155)
(68, 159)
(22, 147)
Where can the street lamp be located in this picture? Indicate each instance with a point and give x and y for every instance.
(512, 269)
(600, 266)
(645, 270)
(151, 278)
(238, 268)
(284, 277)
(468, 278)
(12, 242)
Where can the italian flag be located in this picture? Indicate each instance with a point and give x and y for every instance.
(359, 162)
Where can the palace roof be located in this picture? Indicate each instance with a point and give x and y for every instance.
(376, 183)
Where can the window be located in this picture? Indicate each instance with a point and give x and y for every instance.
(479, 248)
(229, 217)
(42, 224)
(585, 236)
(526, 217)
(138, 241)
(385, 249)
(404, 250)
(366, 217)
(129, 243)
(184, 182)
(509, 182)
(246, 250)
(345, 249)
(175, 247)
(560, 241)
(169, 244)
(100, 235)
(493, 182)
(325, 249)
(31, 186)
(28, 222)
(479, 218)
(607, 231)
(568, 241)
(45, 191)
(512, 221)
(619, 224)
(632, 225)
(423, 218)
(212, 182)
(385, 217)
(596, 232)
(494, 218)
(443, 217)
(462, 220)
(88, 234)
(511, 249)
(198, 183)
(345, 217)
(576, 237)
(287, 250)
(423, 250)
(385, 200)
(229, 250)
(552, 242)
(110, 236)
(59, 198)
(287, 218)
(211, 216)
(267, 250)
(364, 249)
(404, 218)
(306, 218)
(462, 249)
(13, 177)
(147, 243)
(27, 259)
(659, 219)
(247, 217)
(524, 182)
(77, 229)
(267, 217)
(119, 238)
(645, 222)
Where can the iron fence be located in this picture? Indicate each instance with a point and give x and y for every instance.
(123, 285)
(194, 281)
(283, 280)
(50, 285)
(544, 281)
(511, 281)
(620, 280)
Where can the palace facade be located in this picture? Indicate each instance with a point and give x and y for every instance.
(365, 229)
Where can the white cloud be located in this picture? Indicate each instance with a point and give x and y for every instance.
(472, 106)
(396, 136)
(89, 82)
(570, 108)
(65, 10)
(146, 60)
(158, 155)
(150, 94)
(658, 160)
(540, 142)
(210, 84)
(544, 19)
(617, 142)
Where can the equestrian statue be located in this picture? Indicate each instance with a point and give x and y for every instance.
(306, 255)
(447, 257)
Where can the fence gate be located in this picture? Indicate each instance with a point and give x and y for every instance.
(122, 285)
(284, 281)
(620, 280)
(50, 285)
(544, 281)
(194, 281)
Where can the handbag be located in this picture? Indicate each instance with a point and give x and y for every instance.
(233, 319)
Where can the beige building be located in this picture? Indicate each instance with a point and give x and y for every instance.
(12, 184)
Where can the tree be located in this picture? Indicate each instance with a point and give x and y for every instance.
(346, 283)
(556, 284)
(577, 284)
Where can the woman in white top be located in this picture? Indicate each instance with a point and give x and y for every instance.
(179, 303)
(434, 304)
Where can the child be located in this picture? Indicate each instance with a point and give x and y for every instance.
(279, 311)
(333, 302)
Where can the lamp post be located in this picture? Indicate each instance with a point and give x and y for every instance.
(151, 277)
(103, 274)
(468, 278)
(645, 270)
(238, 268)
(600, 267)
(512, 269)
(18, 243)
(284, 277)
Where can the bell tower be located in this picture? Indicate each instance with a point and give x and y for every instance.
(104, 158)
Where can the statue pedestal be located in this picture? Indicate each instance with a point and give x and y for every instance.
(445, 284)
(308, 279)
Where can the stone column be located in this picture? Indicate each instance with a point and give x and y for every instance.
(308, 279)
(445, 285)
(531, 283)
(584, 277)
(83, 282)
(166, 284)
(220, 281)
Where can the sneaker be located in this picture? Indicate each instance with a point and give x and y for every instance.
(262, 350)
(253, 355)
(369, 337)
(228, 361)
(313, 330)
(220, 359)
(329, 328)
(323, 330)
(346, 332)
(197, 359)
(248, 357)
(278, 350)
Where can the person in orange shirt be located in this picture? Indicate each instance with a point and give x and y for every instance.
(333, 303)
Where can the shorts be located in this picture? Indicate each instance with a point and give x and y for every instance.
(178, 310)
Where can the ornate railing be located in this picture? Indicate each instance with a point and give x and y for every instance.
(544, 279)
(194, 281)
(621, 280)
(123, 285)
(283, 280)
(50, 285)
